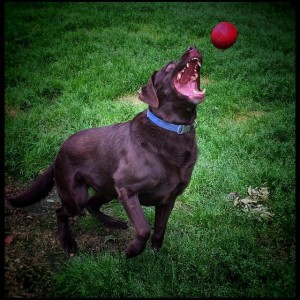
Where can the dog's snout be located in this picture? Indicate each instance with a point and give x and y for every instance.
(192, 48)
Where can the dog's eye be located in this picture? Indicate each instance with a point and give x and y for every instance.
(170, 66)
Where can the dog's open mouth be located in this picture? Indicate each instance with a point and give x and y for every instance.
(187, 81)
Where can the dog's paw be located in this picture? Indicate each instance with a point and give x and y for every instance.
(69, 245)
(134, 248)
(156, 244)
(155, 249)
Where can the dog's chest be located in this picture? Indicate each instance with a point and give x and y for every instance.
(171, 178)
(163, 192)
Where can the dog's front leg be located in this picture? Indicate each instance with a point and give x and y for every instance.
(162, 213)
(136, 215)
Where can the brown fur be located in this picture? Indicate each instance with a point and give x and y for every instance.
(137, 162)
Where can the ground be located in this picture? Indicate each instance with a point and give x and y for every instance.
(32, 252)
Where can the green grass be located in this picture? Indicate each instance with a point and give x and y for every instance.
(70, 66)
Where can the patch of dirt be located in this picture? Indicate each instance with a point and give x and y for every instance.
(132, 99)
(32, 250)
(12, 111)
(245, 117)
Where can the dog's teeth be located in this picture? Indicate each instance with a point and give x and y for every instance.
(179, 76)
(199, 92)
(187, 65)
(193, 78)
(199, 64)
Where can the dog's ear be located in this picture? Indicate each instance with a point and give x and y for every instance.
(148, 93)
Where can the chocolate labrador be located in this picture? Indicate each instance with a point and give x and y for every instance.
(146, 161)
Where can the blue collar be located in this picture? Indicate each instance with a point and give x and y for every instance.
(179, 129)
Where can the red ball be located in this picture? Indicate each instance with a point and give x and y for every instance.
(224, 35)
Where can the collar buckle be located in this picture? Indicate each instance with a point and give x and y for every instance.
(183, 129)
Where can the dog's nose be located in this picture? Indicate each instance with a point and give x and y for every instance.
(192, 48)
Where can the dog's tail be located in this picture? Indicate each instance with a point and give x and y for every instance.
(38, 190)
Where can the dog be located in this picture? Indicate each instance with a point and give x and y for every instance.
(147, 161)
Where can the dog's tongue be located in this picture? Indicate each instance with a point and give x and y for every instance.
(190, 89)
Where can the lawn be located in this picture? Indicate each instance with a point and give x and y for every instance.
(71, 66)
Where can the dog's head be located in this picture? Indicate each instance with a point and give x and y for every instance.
(178, 82)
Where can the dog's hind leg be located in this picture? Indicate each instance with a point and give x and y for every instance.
(93, 207)
(66, 239)
(73, 203)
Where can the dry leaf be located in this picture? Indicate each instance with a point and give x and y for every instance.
(236, 201)
(109, 238)
(266, 215)
(233, 195)
(250, 190)
(250, 203)
(248, 200)
(264, 193)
